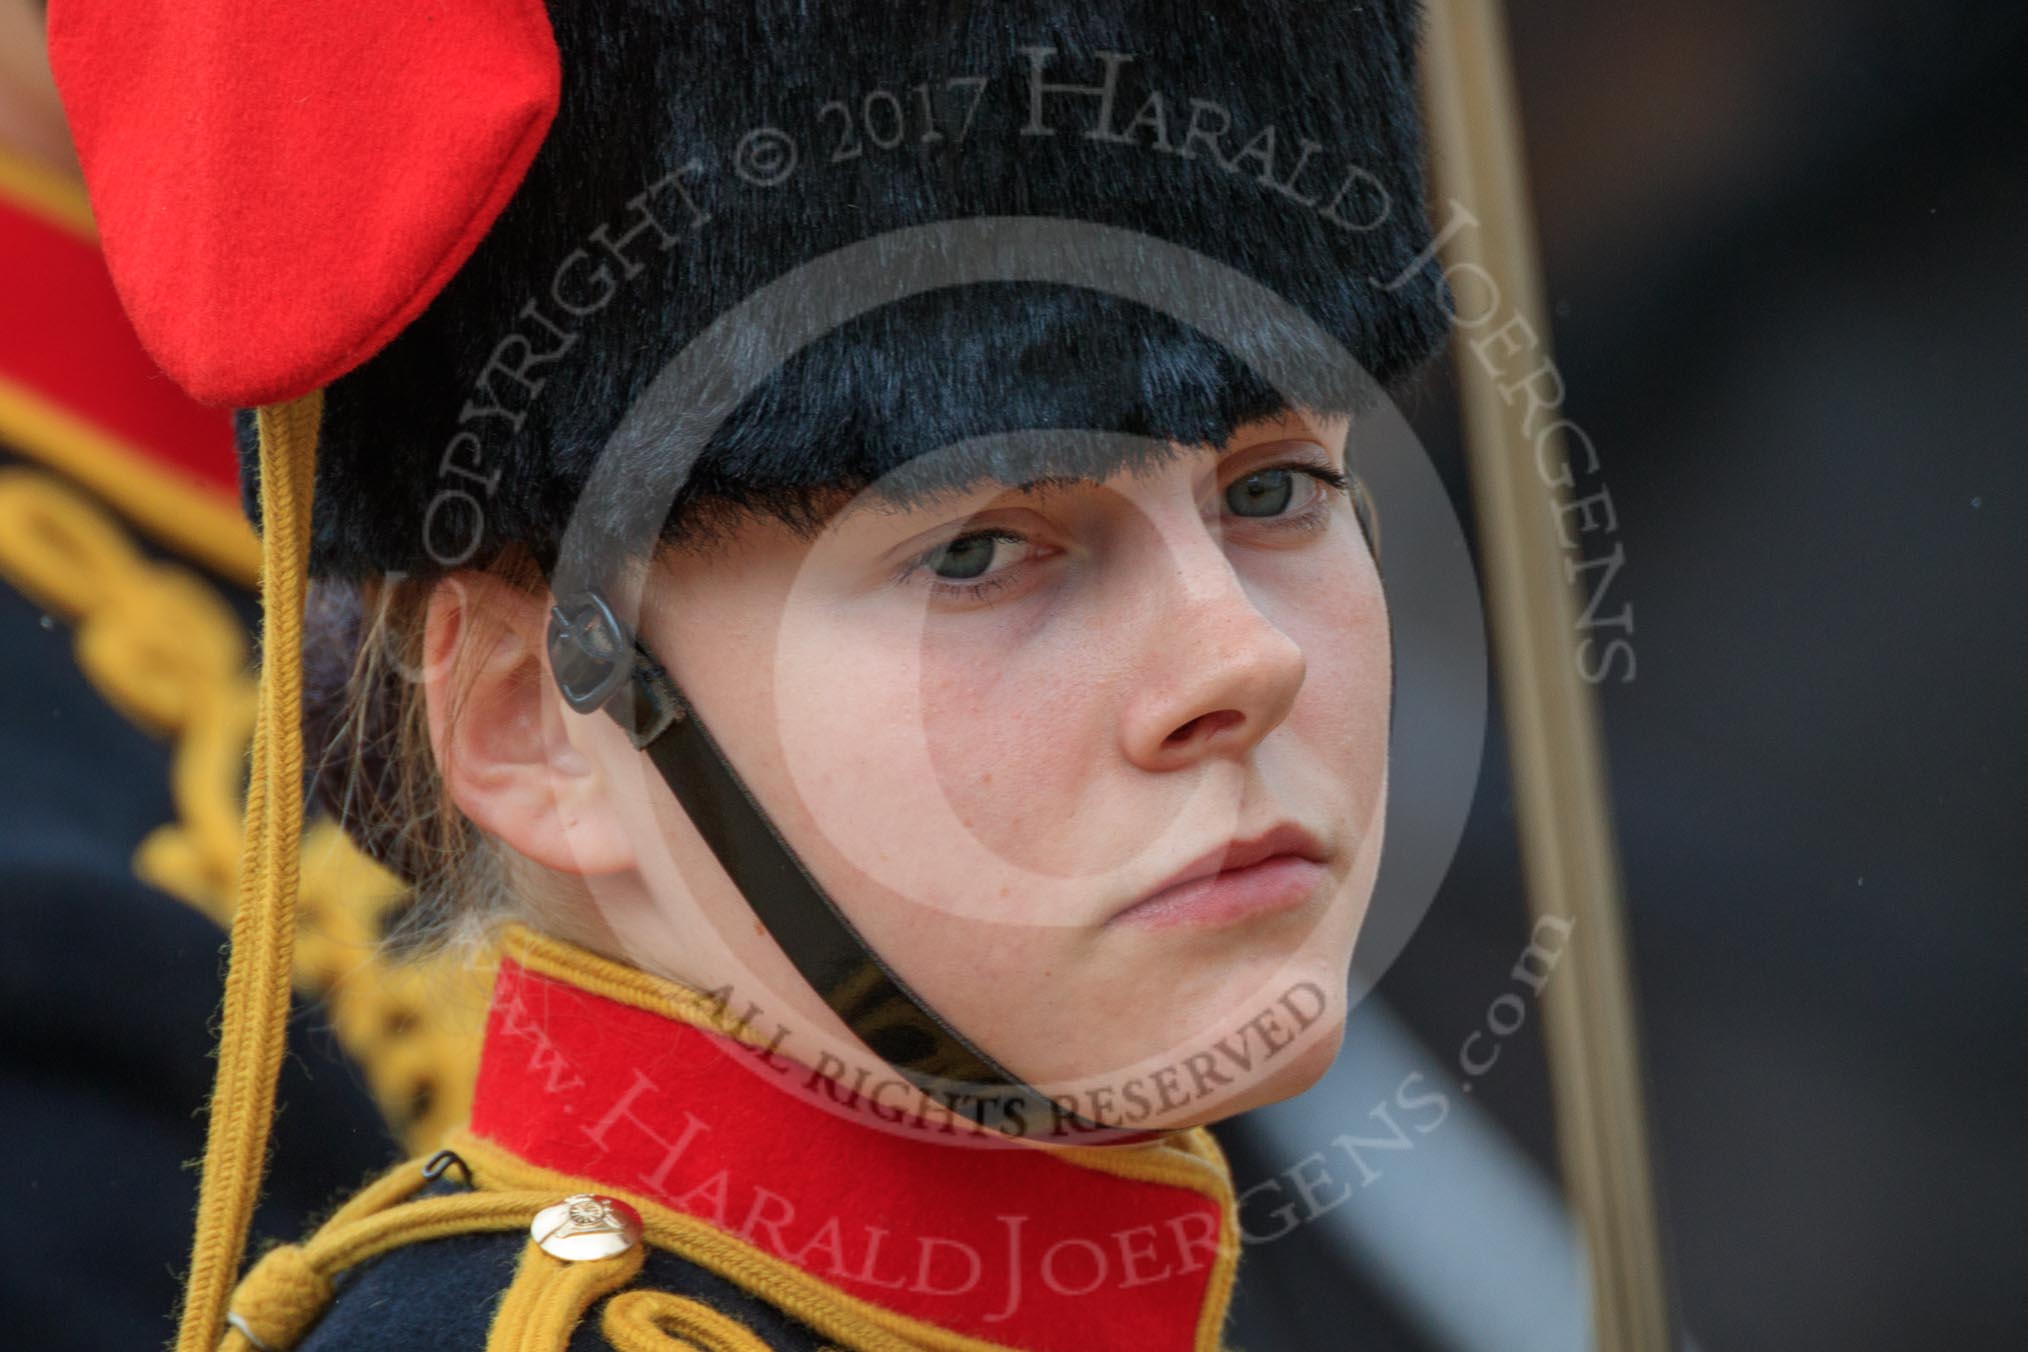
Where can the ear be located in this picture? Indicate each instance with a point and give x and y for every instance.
(504, 737)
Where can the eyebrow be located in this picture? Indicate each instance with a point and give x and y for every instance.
(935, 497)
(944, 497)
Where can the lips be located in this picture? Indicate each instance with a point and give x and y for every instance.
(1286, 838)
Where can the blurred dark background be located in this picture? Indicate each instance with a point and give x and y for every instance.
(1784, 248)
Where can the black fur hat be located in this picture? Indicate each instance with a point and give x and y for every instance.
(703, 151)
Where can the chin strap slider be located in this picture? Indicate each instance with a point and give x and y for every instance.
(595, 657)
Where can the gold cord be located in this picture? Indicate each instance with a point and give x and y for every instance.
(159, 644)
(662, 1321)
(258, 978)
(549, 1296)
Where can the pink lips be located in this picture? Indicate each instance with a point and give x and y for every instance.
(1272, 872)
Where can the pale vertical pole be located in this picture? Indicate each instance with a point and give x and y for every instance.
(1562, 809)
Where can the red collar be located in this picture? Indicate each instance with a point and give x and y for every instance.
(78, 392)
(600, 1071)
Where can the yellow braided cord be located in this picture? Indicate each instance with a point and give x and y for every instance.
(279, 1299)
(288, 1289)
(160, 645)
(662, 1321)
(831, 1311)
(254, 1027)
(337, 1247)
(549, 1296)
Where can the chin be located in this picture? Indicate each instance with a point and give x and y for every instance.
(1299, 1070)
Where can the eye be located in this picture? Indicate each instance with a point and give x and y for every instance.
(1268, 493)
(972, 566)
(1265, 492)
(967, 557)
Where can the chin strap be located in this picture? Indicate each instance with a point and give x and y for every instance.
(599, 664)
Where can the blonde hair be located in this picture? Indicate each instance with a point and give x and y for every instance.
(374, 769)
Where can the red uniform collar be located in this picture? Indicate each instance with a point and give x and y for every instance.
(649, 1090)
(78, 392)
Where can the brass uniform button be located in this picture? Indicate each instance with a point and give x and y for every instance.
(586, 1227)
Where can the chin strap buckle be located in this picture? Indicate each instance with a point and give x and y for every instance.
(595, 656)
(589, 650)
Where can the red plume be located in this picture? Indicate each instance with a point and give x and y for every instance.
(282, 186)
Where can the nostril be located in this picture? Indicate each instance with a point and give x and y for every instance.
(1205, 725)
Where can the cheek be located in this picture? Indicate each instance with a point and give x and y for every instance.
(948, 770)
(1342, 627)
(1021, 737)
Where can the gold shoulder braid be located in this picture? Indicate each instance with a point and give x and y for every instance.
(285, 1292)
(553, 1289)
(163, 647)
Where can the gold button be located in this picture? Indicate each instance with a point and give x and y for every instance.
(586, 1227)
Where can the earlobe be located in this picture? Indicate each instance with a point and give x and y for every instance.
(500, 733)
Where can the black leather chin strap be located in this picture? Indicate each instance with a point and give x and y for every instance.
(599, 664)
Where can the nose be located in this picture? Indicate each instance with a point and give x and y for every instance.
(1214, 674)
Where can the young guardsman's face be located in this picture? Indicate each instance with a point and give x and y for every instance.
(994, 728)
